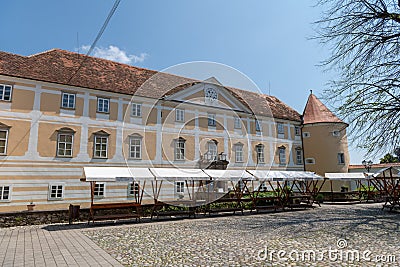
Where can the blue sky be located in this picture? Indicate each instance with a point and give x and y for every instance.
(266, 40)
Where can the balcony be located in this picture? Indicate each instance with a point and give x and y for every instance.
(212, 161)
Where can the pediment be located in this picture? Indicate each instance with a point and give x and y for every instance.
(209, 93)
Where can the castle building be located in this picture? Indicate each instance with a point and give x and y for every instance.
(61, 111)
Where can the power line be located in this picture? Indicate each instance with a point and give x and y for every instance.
(99, 34)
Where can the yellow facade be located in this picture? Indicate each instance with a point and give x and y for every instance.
(35, 117)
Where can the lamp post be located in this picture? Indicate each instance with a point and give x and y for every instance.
(367, 164)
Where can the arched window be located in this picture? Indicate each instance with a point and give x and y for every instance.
(65, 142)
(282, 155)
(180, 148)
(260, 153)
(135, 146)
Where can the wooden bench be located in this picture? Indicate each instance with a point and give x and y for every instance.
(180, 211)
(218, 210)
(126, 206)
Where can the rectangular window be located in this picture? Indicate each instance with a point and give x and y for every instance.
(212, 150)
(103, 105)
(5, 92)
(179, 115)
(5, 191)
(100, 146)
(336, 133)
(282, 155)
(341, 158)
(239, 153)
(68, 100)
(64, 144)
(56, 192)
(211, 120)
(260, 154)
(134, 189)
(281, 129)
(135, 147)
(180, 187)
(180, 149)
(136, 110)
(238, 123)
(299, 157)
(3, 142)
(258, 126)
(99, 189)
(297, 130)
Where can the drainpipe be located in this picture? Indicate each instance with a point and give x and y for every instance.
(302, 142)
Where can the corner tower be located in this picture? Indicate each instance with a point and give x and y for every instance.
(324, 139)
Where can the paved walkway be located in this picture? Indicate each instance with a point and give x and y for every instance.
(252, 240)
(50, 246)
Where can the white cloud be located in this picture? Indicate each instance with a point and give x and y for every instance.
(115, 54)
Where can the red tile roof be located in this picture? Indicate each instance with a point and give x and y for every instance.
(65, 67)
(375, 165)
(316, 112)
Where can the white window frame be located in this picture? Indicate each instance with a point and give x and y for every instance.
(341, 159)
(238, 123)
(2, 189)
(239, 153)
(135, 150)
(65, 143)
(297, 131)
(102, 109)
(68, 97)
(136, 110)
(3, 88)
(282, 155)
(180, 149)
(179, 115)
(96, 193)
(134, 189)
(57, 188)
(260, 153)
(212, 150)
(306, 134)
(101, 143)
(258, 126)
(280, 128)
(299, 156)
(336, 133)
(180, 187)
(5, 142)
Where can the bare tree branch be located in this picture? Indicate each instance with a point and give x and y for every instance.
(364, 39)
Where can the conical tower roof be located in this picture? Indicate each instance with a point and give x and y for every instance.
(316, 112)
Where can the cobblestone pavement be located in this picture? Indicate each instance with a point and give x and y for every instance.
(325, 236)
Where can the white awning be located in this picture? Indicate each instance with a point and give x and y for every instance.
(395, 172)
(284, 175)
(113, 174)
(179, 174)
(229, 175)
(345, 176)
